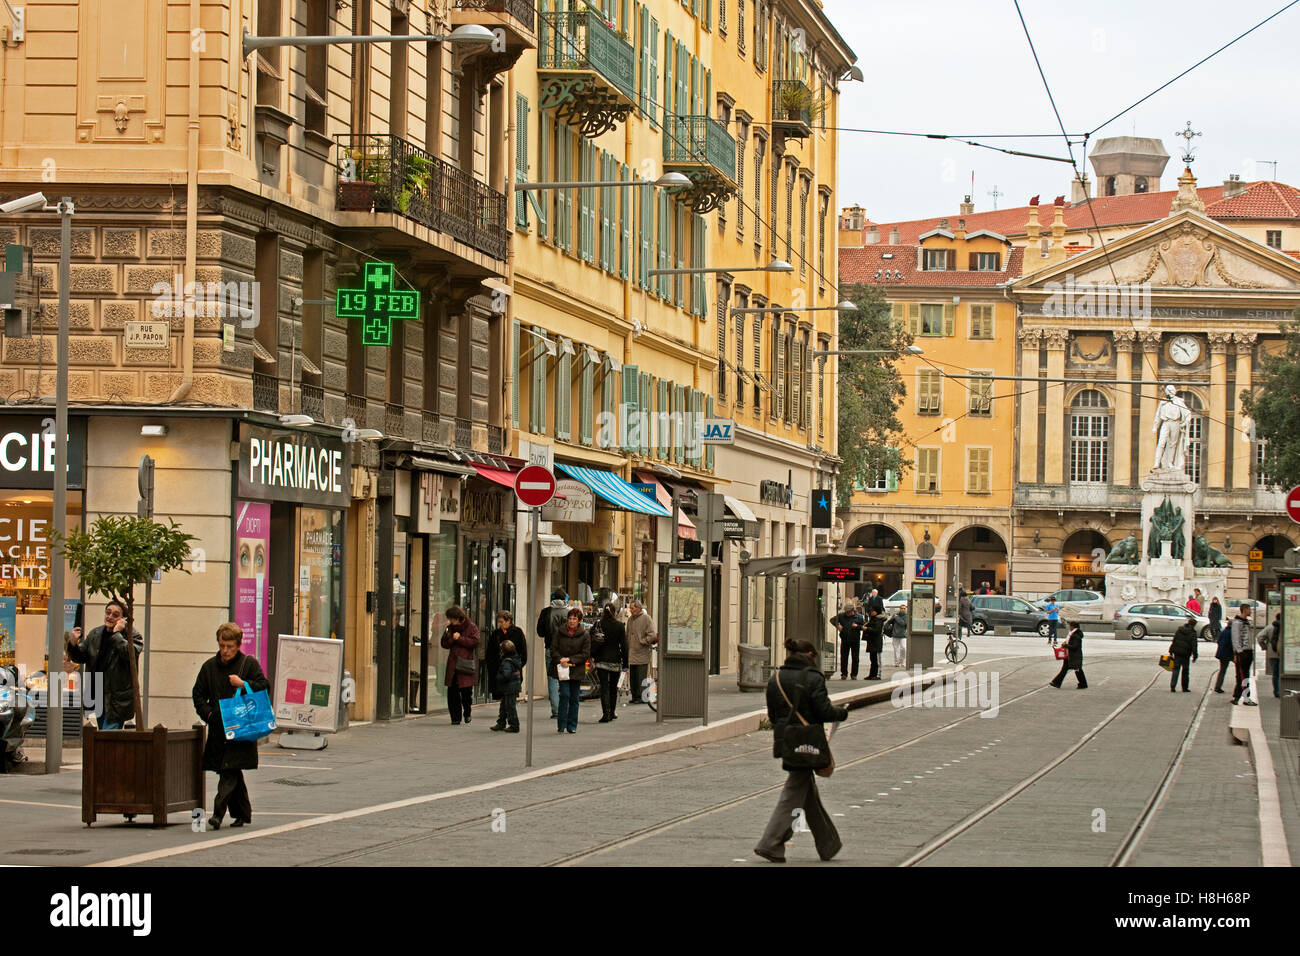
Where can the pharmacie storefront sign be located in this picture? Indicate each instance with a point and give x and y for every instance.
(292, 465)
(27, 450)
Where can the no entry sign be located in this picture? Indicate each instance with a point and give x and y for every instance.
(534, 486)
(1293, 504)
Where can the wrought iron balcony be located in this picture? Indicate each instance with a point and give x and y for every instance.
(394, 421)
(464, 433)
(524, 12)
(496, 440)
(792, 108)
(700, 148)
(266, 392)
(588, 71)
(354, 408)
(431, 427)
(313, 401)
(386, 174)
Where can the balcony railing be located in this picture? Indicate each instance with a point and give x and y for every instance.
(700, 141)
(354, 407)
(383, 173)
(313, 401)
(496, 440)
(430, 427)
(581, 41)
(792, 107)
(522, 10)
(464, 433)
(266, 392)
(394, 421)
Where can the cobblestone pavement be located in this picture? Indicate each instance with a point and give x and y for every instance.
(905, 775)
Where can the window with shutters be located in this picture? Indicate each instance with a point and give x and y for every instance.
(986, 261)
(740, 27)
(1273, 238)
(979, 471)
(564, 199)
(981, 321)
(606, 200)
(933, 319)
(777, 408)
(608, 396)
(679, 253)
(514, 377)
(564, 392)
(541, 203)
(742, 138)
(665, 285)
(741, 302)
(773, 190)
(663, 433)
(316, 85)
(644, 92)
(708, 449)
(980, 396)
(759, 147)
(652, 86)
(758, 362)
(936, 260)
(805, 186)
(645, 199)
(587, 399)
(824, 198)
(631, 389)
(586, 201)
(669, 98)
(806, 395)
(796, 391)
(724, 294)
(929, 391)
(644, 397)
(537, 405)
(679, 423)
(700, 284)
(927, 470)
(625, 220)
(521, 160)
(821, 395)
(789, 210)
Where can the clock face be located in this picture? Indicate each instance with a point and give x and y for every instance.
(1184, 349)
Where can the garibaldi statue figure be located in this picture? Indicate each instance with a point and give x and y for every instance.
(1173, 426)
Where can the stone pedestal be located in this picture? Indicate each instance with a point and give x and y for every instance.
(1159, 485)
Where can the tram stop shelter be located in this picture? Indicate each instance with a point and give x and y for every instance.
(789, 596)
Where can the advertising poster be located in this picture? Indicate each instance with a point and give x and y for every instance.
(307, 675)
(8, 625)
(685, 612)
(1289, 646)
(252, 561)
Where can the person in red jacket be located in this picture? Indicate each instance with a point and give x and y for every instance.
(461, 639)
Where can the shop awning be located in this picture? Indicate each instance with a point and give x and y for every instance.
(685, 526)
(550, 545)
(446, 467)
(615, 490)
(739, 508)
(505, 478)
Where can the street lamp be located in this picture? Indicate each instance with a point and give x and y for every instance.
(776, 265)
(666, 181)
(54, 608)
(470, 34)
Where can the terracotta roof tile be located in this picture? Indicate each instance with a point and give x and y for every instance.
(861, 265)
(1263, 200)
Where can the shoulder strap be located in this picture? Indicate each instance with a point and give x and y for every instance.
(794, 710)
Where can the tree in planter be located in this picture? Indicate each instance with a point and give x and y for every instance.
(115, 555)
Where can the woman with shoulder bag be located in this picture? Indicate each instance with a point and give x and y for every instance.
(570, 649)
(797, 699)
(610, 659)
(461, 639)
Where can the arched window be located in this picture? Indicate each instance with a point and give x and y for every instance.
(1195, 447)
(1089, 438)
(1139, 184)
(1110, 185)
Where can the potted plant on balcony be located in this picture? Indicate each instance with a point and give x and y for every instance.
(156, 771)
(796, 104)
(358, 179)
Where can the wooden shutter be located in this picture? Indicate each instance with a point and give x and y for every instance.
(683, 81)
(514, 378)
(542, 207)
(779, 372)
(721, 319)
(949, 319)
(563, 395)
(587, 399)
(652, 89)
(679, 253)
(521, 159)
(708, 449)
(670, 60)
(679, 419)
(625, 218)
(662, 238)
(644, 93)
(661, 421)
(643, 444)
(605, 201)
(796, 393)
(914, 318)
(646, 199)
(807, 385)
(631, 387)
(537, 414)
(563, 197)
(587, 201)
(891, 480)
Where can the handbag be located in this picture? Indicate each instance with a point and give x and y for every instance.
(247, 716)
(805, 745)
(1167, 661)
(1061, 653)
(608, 666)
(466, 665)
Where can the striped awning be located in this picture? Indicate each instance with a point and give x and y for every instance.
(685, 526)
(614, 490)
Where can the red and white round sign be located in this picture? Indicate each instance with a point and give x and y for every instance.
(1293, 504)
(534, 486)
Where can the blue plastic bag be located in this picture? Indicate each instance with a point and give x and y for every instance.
(247, 716)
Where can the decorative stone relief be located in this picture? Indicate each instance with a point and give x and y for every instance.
(1186, 256)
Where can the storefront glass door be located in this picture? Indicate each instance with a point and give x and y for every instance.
(400, 682)
(318, 592)
(442, 595)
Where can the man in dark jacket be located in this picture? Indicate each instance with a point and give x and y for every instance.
(874, 611)
(965, 613)
(798, 685)
(219, 678)
(1182, 647)
(104, 652)
(1073, 657)
(849, 622)
(549, 623)
(609, 655)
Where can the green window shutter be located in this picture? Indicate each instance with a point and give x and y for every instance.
(679, 440)
(645, 92)
(542, 206)
(644, 445)
(679, 254)
(563, 197)
(891, 480)
(683, 80)
(563, 395)
(949, 319)
(514, 378)
(537, 415)
(652, 88)
(670, 58)
(584, 208)
(521, 159)
(662, 238)
(645, 200)
(625, 217)
(661, 430)
(914, 318)
(708, 449)
(587, 398)
(778, 381)
(589, 174)
(694, 402)
(604, 211)
(631, 386)
(608, 394)
(544, 36)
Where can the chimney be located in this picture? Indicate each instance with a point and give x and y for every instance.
(1080, 190)
(943, 223)
(855, 218)
(1058, 223)
(1233, 186)
(1032, 229)
(967, 207)
(894, 237)
(960, 232)
(872, 237)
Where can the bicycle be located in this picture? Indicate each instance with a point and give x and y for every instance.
(955, 650)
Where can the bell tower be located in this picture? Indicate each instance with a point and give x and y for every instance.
(1128, 164)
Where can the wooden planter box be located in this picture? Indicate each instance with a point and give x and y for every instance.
(356, 196)
(156, 772)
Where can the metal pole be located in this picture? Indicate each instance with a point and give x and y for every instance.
(54, 609)
(541, 657)
(145, 511)
(663, 611)
(708, 608)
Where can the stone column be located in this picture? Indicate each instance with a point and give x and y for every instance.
(1123, 437)
(1216, 446)
(1147, 368)
(1029, 345)
(1054, 453)
(1241, 450)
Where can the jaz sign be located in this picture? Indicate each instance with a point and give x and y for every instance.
(717, 431)
(291, 465)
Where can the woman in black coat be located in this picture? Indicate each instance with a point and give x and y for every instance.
(504, 631)
(798, 682)
(220, 678)
(1073, 658)
(609, 656)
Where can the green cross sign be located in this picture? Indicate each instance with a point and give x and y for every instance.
(377, 303)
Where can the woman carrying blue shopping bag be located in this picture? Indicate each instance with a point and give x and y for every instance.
(220, 678)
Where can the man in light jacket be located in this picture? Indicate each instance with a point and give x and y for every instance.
(1243, 649)
(641, 637)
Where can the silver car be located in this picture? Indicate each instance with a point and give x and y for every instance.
(1077, 604)
(1160, 618)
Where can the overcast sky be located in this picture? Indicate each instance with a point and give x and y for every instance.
(947, 66)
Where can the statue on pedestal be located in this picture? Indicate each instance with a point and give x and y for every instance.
(1167, 525)
(1173, 425)
(1128, 551)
